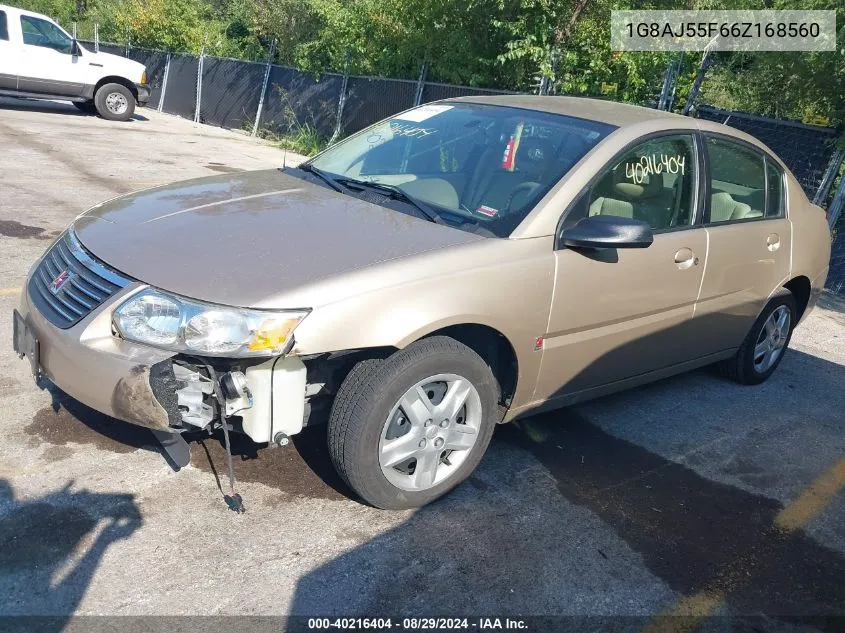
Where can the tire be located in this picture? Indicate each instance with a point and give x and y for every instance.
(87, 107)
(115, 102)
(747, 366)
(367, 415)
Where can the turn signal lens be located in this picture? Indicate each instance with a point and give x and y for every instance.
(273, 334)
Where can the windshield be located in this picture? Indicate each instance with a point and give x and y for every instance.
(474, 165)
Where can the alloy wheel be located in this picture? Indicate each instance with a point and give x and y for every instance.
(772, 339)
(429, 432)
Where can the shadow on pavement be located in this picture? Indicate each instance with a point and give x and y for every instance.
(36, 105)
(51, 548)
(472, 554)
(51, 107)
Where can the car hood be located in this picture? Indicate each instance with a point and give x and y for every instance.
(131, 69)
(241, 239)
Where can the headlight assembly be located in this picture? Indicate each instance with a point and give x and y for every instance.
(185, 325)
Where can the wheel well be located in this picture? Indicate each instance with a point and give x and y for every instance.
(123, 81)
(800, 289)
(494, 348)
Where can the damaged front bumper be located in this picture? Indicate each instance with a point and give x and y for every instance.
(154, 388)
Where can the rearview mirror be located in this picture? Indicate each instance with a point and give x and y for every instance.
(607, 231)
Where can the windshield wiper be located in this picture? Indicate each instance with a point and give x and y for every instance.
(331, 182)
(398, 193)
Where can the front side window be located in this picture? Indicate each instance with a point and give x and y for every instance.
(475, 165)
(774, 191)
(654, 182)
(737, 181)
(4, 27)
(37, 32)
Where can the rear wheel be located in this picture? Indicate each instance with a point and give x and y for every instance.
(764, 347)
(407, 429)
(115, 102)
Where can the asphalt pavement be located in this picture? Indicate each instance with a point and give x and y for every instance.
(692, 496)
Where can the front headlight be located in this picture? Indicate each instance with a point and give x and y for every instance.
(144, 77)
(185, 325)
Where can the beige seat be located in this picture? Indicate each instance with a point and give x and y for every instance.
(723, 208)
(612, 206)
(648, 196)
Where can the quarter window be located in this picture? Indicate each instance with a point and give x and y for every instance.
(37, 32)
(737, 182)
(653, 182)
(774, 191)
(4, 27)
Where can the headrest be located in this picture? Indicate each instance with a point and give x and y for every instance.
(627, 188)
(534, 155)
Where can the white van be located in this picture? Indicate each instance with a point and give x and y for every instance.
(39, 60)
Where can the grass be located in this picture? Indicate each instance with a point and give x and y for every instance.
(303, 139)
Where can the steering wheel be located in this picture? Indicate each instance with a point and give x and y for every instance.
(527, 187)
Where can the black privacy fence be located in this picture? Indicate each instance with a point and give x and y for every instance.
(262, 98)
(234, 93)
(806, 149)
(810, 153)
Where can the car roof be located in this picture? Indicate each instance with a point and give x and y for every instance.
(612, 112)
(621, 115)
(6, 7)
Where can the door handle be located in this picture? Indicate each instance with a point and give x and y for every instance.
(685, 258)
(773, 242)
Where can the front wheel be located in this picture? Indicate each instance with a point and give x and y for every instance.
(406, 430)
(115, 102)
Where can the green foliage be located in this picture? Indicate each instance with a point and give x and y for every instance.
(489, 43)
(300, 136)
(303, 139)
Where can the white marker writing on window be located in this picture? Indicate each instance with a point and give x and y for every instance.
(648, 165)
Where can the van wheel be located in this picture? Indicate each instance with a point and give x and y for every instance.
(764, 347)
(115, 102)
(406, 430)
(87, 107)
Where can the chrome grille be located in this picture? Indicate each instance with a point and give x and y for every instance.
(89, 282)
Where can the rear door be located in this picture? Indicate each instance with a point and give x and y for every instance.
(48, 65)
(617, 313)
(9, 55)
(750, 241)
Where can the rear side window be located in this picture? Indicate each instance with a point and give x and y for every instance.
(737, 182)
(4, 27)
(774, 191)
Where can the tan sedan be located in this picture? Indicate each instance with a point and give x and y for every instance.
(458, 265)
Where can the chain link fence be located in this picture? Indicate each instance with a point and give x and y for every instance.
(231, 90)
(806, 149)
(836, 276)
(809, 152)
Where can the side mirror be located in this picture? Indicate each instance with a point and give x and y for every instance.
(75, 49)
(607, 231)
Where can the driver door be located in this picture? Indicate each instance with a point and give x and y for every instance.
(8, 56)
(47, 63)
(618, 313)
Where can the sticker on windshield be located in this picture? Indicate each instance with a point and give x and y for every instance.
(490, 212)
(418, 115)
